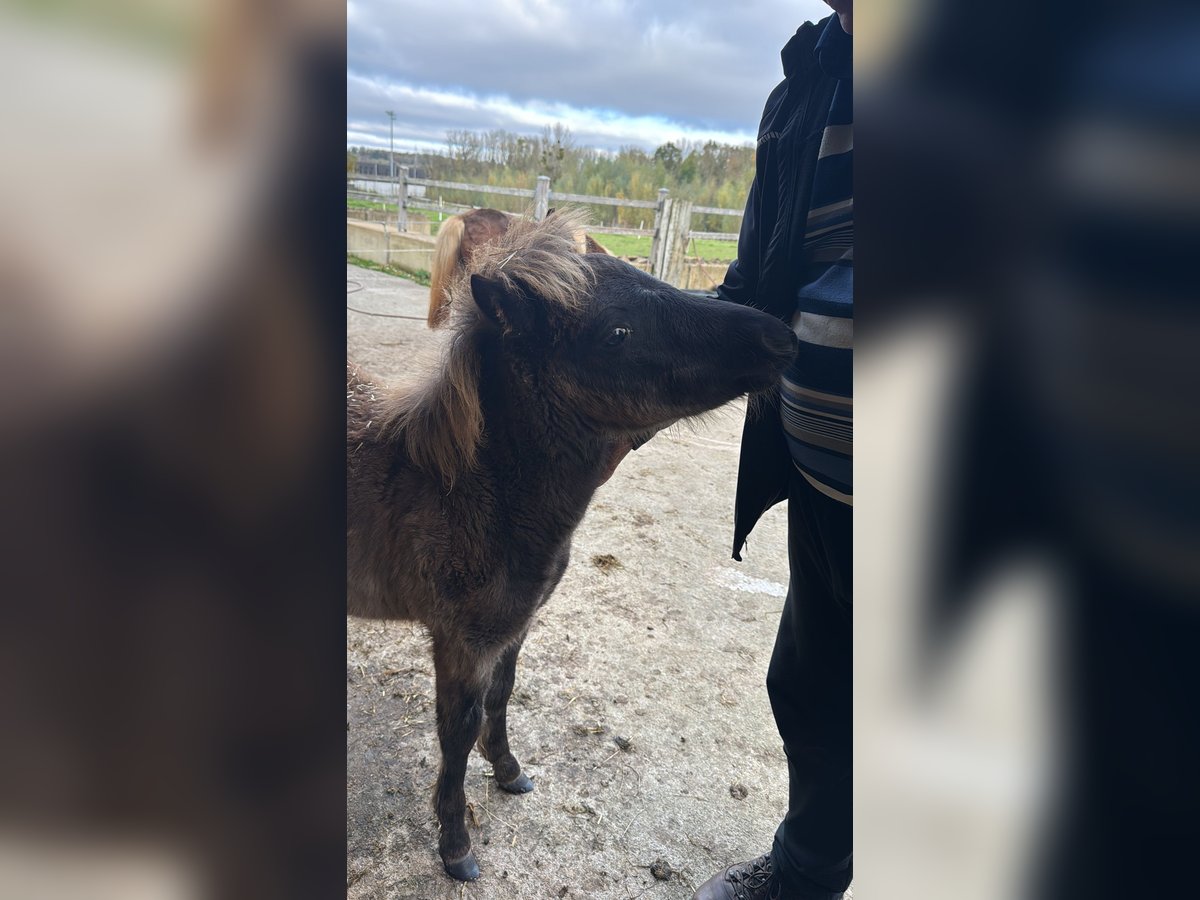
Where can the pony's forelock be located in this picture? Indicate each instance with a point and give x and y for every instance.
(539, 258)
(440, 420)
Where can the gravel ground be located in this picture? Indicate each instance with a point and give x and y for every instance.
(640, 709)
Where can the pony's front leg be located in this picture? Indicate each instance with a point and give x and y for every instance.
(494, 743)
(460, 689)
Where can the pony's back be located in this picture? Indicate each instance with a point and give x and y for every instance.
(459, 237)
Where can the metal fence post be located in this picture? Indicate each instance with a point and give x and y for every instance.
(402, 201)
(541, 197)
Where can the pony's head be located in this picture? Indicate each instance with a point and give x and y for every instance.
(620, 350)
(605, 346)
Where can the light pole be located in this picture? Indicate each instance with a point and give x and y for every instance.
(391, 147)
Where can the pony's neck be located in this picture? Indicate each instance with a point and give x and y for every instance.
(535, 438)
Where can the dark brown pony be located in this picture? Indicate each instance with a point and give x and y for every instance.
(458, 238)
(464, 490)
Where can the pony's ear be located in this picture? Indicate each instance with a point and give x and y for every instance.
(500, 306)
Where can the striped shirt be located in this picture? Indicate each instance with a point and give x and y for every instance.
(817, 389)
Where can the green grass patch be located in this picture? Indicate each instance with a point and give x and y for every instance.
(721, 251)
(420, 276)
(434, 224)
(358, 203)
(634, 245)
(625, 244)
(433, 217)
(378, 206)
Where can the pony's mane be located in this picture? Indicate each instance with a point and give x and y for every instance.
(542, 258)
(440, 421)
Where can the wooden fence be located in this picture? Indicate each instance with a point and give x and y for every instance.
(670, 234)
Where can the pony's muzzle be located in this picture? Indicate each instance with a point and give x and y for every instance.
(781, 343)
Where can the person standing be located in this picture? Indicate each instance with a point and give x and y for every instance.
(795, 260)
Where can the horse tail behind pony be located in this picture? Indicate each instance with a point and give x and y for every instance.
(445, 264)
(591, 245)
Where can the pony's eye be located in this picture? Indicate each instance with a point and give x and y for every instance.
(617, 335)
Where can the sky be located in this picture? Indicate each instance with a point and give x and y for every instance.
(615, 72)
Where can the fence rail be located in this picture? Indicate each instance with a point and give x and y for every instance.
(718, 210)
(462, 186)
(620, 229)
(603, 201)
(438, 206)
(670, 235)
(711, 235)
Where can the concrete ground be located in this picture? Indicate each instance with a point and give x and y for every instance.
(639, 711)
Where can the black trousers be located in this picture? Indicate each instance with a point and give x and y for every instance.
(810, 685)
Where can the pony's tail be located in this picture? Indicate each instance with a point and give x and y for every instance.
(445, 261)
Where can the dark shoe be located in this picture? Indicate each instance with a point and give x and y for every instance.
(746, 881)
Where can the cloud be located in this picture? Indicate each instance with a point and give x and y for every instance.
(616, 72)
(423, 116)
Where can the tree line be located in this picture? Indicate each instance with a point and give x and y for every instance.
(708, 174)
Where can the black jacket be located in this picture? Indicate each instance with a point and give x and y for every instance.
(765, 273)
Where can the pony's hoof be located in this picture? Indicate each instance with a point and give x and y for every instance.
(465, 869)
(522, 784)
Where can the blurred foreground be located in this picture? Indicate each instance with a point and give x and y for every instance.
(1027, 204)
(170, 533)
(171, 632)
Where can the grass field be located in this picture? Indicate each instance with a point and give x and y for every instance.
(420, 276)
(378, 206)
(619, 244)
(632, 245)
(357, 203)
